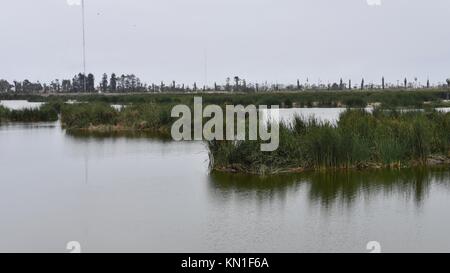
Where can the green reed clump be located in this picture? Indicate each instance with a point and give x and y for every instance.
(46, 113)
(101, 117)
(4, 112)
(86, 115)
(147, 116)
(358, 140)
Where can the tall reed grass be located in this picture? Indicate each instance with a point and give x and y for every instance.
(100, 116)
(358, 140)
(46, 113)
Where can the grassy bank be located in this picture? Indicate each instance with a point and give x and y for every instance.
(357, 98)
(359, 140)
(46, 113)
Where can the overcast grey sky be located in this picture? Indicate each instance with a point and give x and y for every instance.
(273, 40)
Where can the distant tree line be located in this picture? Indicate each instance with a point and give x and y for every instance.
(80, 83)
(129, 83)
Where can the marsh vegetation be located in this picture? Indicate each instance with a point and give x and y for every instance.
(101, 117)
(47, 112)
(287, 99)
(359, 140)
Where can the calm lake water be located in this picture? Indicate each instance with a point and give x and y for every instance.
(137, 194)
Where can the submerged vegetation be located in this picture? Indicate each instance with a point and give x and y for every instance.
(359, 140)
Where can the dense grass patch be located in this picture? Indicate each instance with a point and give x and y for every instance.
(78, 116)
(102, 117)
(46, 113)
(3, 113)
(358, 140)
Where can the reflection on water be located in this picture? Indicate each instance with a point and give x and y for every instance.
(82, 135)
(28, 125)
(335, 187)
(405, 210)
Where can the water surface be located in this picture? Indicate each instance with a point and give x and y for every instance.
(135, 194)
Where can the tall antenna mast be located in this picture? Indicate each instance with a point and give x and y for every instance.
(84, 43)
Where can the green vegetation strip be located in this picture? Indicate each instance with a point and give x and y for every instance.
(388, 98)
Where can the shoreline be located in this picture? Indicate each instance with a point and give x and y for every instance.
(432, 161)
